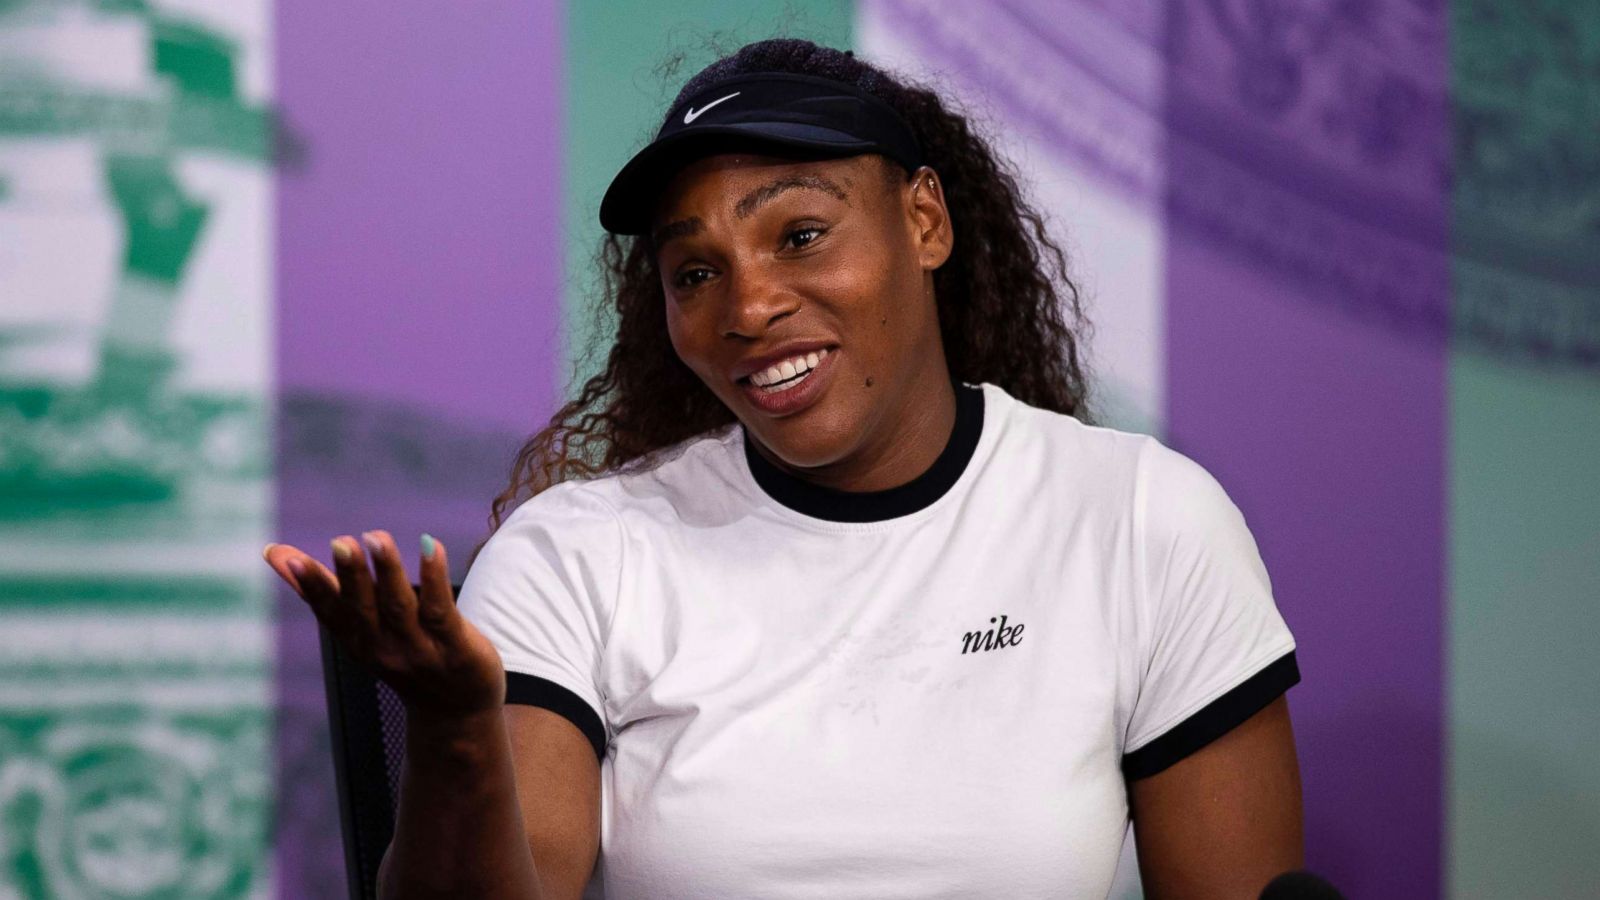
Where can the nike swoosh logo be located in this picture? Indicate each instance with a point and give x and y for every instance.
(693, 113)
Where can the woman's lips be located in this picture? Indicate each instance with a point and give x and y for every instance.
(798, 395)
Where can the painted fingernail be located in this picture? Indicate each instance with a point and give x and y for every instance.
(296, 566)
(427, 546)
(341, 550)
(374, 546)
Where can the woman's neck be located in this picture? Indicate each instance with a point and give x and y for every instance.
(899, 447)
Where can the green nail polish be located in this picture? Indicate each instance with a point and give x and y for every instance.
(427, 546)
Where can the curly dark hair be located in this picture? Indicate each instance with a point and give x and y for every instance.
(1008, 313)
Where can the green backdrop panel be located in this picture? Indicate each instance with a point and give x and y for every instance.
(1523, 790)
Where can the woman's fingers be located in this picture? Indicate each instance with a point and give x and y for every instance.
(370, 607)
(436, 607)
(277, 557)
(397, 604)
(311, 580)
(355, 580)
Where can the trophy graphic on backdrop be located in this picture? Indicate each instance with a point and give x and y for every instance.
(123, 434)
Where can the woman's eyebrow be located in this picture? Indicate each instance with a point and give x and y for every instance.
(678, 229)
(753, 200)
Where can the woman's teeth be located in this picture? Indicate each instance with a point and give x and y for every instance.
(788, 373)
(785, 385)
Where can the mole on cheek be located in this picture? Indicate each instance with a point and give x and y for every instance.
(869, 381)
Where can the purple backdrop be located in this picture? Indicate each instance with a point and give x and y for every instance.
(1306, 273)
(419, 249)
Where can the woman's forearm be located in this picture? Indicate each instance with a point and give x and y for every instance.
(458, 829)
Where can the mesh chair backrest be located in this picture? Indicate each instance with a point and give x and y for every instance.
(392, 728)
(368, 724)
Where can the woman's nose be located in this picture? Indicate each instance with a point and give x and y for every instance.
(754, 302)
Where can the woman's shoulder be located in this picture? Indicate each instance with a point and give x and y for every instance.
(1165, 491)
(1066, 442)
(687, 468)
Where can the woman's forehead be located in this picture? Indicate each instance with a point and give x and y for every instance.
(741, 182)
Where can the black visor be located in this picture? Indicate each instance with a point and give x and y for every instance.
(782, 114)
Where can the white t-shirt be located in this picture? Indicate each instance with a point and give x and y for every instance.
(932, 691)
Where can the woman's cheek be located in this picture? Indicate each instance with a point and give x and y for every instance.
(680, 334)
(675, 328)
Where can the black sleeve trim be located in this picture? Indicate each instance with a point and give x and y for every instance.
(531, 690)
(1213, 720)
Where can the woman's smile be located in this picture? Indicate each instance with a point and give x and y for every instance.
(787, 387)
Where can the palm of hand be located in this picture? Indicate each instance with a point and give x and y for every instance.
(415, 641)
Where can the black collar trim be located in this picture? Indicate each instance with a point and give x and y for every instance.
(875, 506)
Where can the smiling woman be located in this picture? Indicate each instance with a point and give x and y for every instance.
(737, 615)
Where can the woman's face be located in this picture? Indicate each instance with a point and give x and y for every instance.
(822, 269)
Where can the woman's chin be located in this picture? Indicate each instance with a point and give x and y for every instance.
(818, 441)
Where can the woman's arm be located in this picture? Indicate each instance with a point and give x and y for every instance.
(1222, 822)
(458, 830)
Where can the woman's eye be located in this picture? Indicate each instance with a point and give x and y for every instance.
(692, 277)
(802, 236)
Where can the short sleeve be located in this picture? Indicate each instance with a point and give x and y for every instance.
(1212, 648)
(542, 590)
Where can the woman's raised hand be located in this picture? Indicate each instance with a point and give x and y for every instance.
(420, 646)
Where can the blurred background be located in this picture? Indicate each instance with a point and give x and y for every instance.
(285, 269)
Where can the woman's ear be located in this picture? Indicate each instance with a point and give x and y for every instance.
(930, 220)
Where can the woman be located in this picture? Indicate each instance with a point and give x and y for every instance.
(823, 591)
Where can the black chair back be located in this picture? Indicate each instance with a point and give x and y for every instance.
(368, 724)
